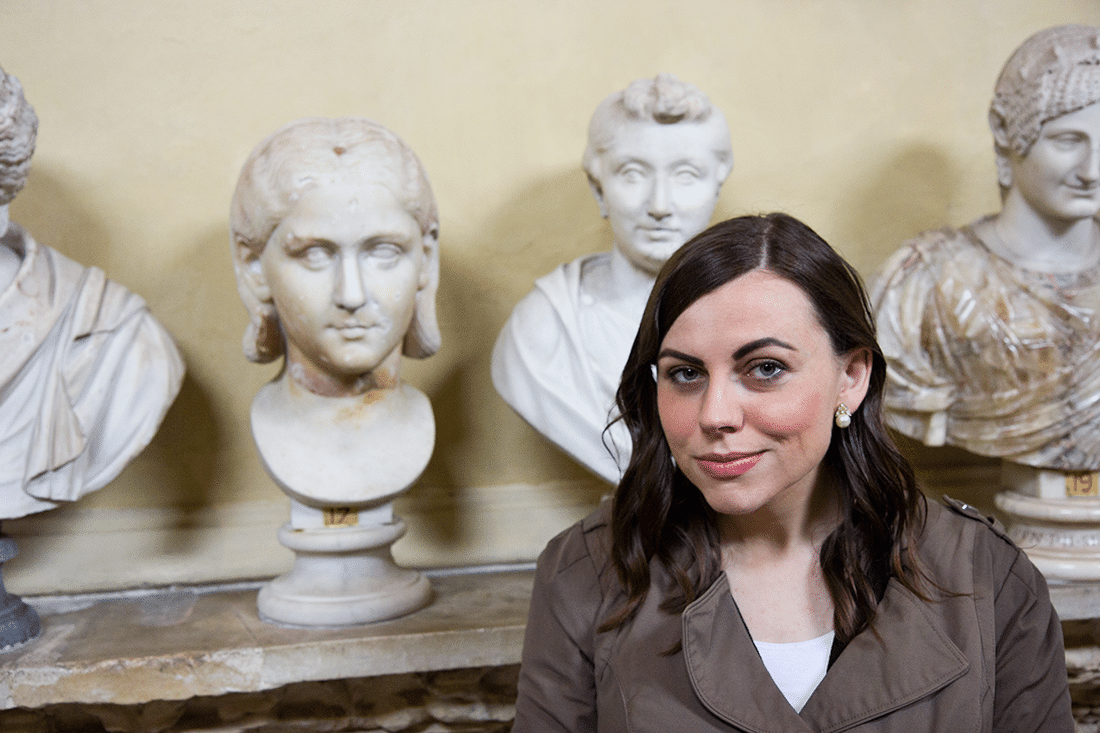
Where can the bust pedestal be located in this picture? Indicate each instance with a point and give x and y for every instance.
(343, 572)
(1054, 516)
(342, 460)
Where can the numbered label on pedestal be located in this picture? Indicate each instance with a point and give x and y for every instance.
(1082, 483)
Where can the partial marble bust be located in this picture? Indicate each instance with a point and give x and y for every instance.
(992, 331)
(86, 373)
(658, 153)
(335, 244)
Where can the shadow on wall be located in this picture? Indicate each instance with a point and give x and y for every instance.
(955, 472)
(914, 192)
(204, 430)
(55, 217)
(480, 441)
(176, 471)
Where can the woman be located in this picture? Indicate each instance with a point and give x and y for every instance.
(768, 563)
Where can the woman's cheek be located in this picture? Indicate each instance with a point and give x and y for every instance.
(792, 415)
(676, 416)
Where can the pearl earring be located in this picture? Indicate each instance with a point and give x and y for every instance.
(842, 417)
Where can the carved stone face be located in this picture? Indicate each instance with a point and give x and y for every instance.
(659, 186)
(342, 270)
(1059, 177)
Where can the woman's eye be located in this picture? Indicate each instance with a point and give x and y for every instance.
(631, 175)
(767, 370)
(683, 375)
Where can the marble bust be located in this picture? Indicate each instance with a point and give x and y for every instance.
(992, 330)
(336, 250)
(86, 373)
(657, 155)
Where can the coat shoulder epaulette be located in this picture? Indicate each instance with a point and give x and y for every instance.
(970, 512)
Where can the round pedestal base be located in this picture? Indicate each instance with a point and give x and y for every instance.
(342, 576)
(1060, 536)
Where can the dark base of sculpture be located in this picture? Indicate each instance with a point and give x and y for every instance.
(19, 623)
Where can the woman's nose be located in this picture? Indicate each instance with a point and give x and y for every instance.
(721, 410)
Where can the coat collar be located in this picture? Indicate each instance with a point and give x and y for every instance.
(911, 658)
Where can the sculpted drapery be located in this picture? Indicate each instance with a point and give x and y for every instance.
(992, 357)
(87, 375)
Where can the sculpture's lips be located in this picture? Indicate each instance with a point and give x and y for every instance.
(353, 330)
(727, 465)
(660, 231)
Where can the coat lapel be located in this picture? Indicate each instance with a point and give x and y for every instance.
(725, 670)
(911, 658)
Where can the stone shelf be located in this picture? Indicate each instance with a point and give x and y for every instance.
(174, 644)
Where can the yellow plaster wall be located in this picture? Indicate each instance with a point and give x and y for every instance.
(866, 118)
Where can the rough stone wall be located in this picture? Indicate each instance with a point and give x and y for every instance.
(455, 701)
(1083, 666)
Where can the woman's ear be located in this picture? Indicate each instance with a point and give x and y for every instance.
(856, 377)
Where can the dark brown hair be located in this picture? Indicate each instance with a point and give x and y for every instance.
(658, 515)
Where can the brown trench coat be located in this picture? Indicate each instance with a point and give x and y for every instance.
(989, 660)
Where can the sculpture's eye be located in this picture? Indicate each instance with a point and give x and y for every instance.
(687, 176)
(1067, 139)
(386, 253)
(315, 256)
(632, 174)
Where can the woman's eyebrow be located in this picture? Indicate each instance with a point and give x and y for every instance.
(679, 355)
(760, 343)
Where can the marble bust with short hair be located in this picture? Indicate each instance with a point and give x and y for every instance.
(86, 373)
(657, 155)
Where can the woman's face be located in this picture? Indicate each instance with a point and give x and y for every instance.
(747, 386)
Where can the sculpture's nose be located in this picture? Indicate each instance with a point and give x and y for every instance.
(659, 204)
(1089, 171)
(349, 292)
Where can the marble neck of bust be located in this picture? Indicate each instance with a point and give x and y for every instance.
(1042, 243)
(10, 260)
(628, 281)
(303, 374)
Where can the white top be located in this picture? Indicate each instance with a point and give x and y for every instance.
(798, 666)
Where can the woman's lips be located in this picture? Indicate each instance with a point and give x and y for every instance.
(728, 466)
